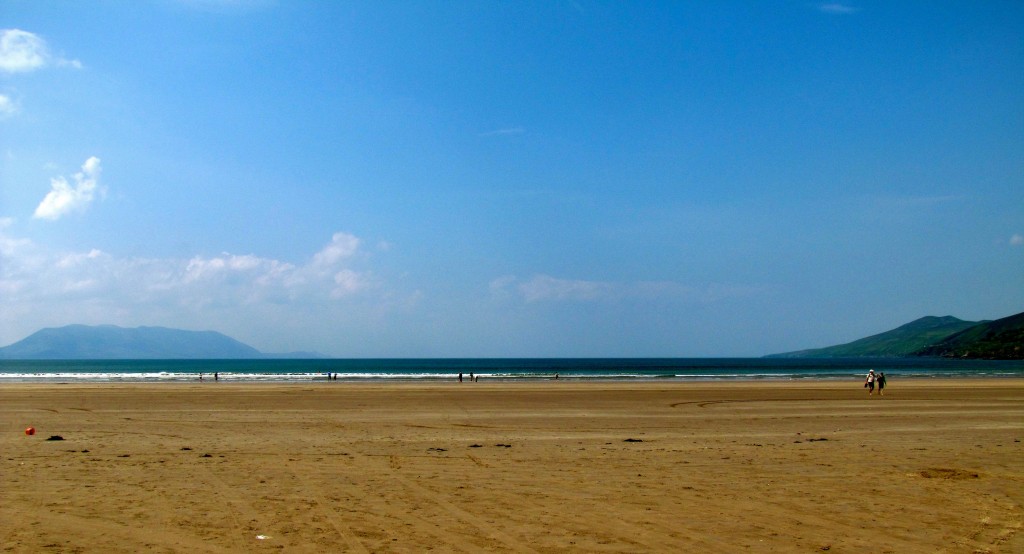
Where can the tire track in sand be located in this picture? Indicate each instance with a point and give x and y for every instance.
(71, 524)
(485, 529)
(332, 515)
(237, 505)
(327, 508)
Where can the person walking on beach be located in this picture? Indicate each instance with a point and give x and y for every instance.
(881, 382)
(869, 382)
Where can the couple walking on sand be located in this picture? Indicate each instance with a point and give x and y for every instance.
(874, 379)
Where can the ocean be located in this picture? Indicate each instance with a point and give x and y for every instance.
(577, 369)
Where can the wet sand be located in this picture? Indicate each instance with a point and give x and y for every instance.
(933, 466)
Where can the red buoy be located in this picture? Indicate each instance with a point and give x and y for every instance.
(30, 431)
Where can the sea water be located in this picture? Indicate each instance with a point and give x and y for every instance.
(575, 369)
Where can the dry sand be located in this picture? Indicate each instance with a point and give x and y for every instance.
(933, 466)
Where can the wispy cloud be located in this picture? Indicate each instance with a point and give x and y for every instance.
(7, 106)
(22, 51)
(254, 278)
(239, 290)
(64, 198)
(1017, 240)
(837, 8)
(545, 288)
(9, 246)
(505, 131)
(227, 6)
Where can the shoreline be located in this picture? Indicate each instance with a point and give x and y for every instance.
(304, 380)
(682, 370)
(564, 383)
(540, 466)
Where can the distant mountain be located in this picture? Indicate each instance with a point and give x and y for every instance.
(297, 355)
(112, 342)
(905, 340)
(1002, 339)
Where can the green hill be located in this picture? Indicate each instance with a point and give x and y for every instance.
(1002, 339)
(902, 341)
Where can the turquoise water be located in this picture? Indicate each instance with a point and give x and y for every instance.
(684, 369)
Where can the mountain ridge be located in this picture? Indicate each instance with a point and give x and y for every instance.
(1000, 339)
(932, 336)
(929, 336)
(93, 342)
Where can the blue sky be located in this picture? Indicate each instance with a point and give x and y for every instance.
(562, 178)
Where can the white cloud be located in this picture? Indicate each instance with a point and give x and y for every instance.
(545, 287)
(541, 288)
(348, 282)
(837, 8)
(73, 260)
(227, 267)
(7, 106)
(500, 286)
(1017, 240)
(64, 198)
(225, 291)
(343, 245)
(22, 51)
(227, 276)
(505, 131)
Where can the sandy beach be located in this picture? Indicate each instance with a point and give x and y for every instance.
(933, 466)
